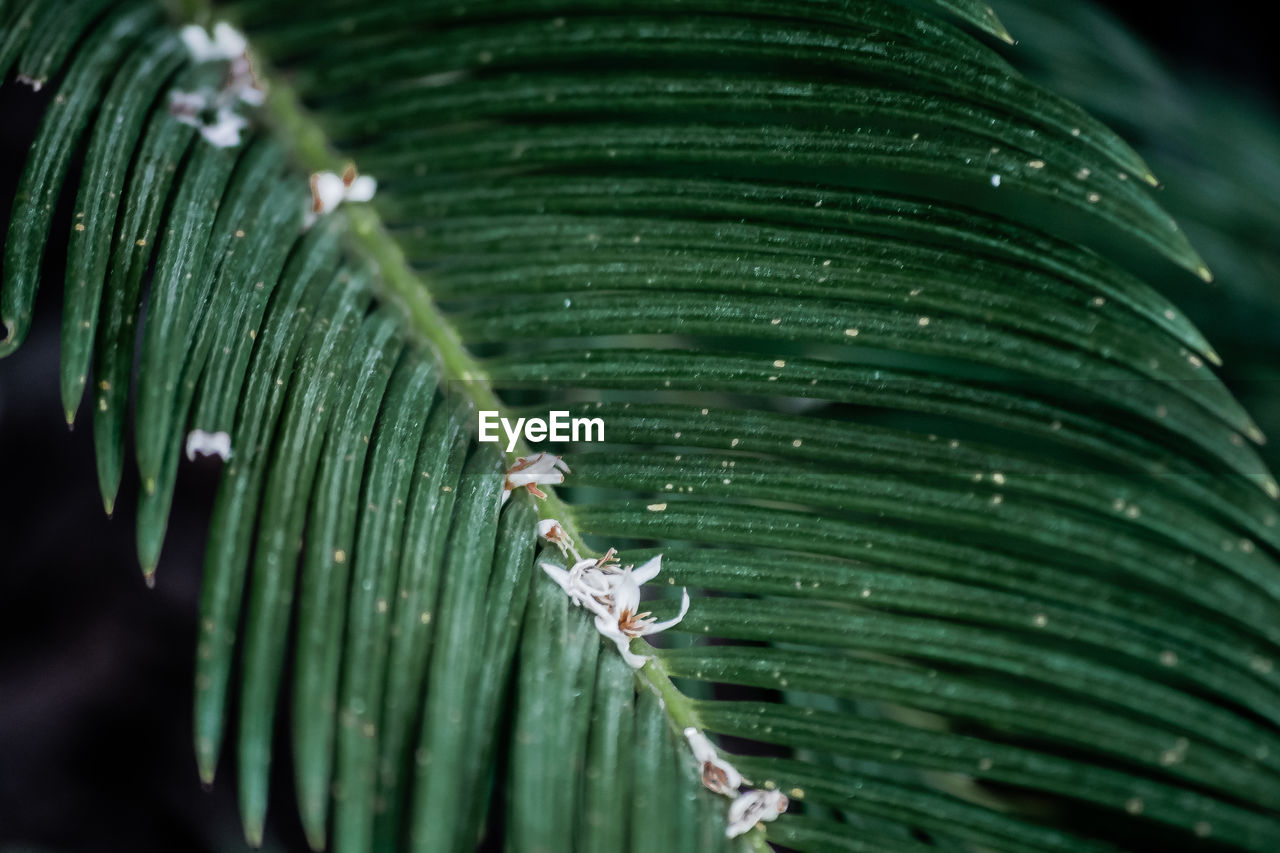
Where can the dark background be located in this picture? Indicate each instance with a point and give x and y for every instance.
(1226, 40)
(96, 669)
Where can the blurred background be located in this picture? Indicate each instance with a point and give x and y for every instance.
(96, 669)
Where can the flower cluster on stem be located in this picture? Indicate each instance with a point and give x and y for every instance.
(215, 111)
(611, 592)
(749, 807)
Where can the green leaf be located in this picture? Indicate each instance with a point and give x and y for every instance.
(981, 551)
(43, 176)
(125, 109)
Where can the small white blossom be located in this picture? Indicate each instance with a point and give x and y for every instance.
(208, 444)
(225, 132)
(552, 531)
(751, 807)
(226, 43)
(359, 187)
(533, 471)
(329, 189)
(622, 622)
(590, 582)
(248, 89)
(195, 108)
(717, 774)
(187, 106)
(241, 81)
(36, 85)
(613, 595)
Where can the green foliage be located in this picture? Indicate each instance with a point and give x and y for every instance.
(982, 554)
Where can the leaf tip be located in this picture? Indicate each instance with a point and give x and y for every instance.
(9, 338)
(991, 22)
(1205, 273)
(315, 835)
(206, 761)
(109, 491)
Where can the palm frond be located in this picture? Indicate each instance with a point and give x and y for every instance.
(1214, 148)
(981, 551)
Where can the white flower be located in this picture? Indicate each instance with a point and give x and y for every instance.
(590, 582)
(329, 189)
(532, 471)
(193, 108)
(622, 621)
(327, 192)
(226, 45)
(252, 94)
(613, 595)
(227, 42)
(187, 106)
(752, 807)
(552, 531)
(208, 444)
(225, 132)
(717, 774)
(359, 187)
